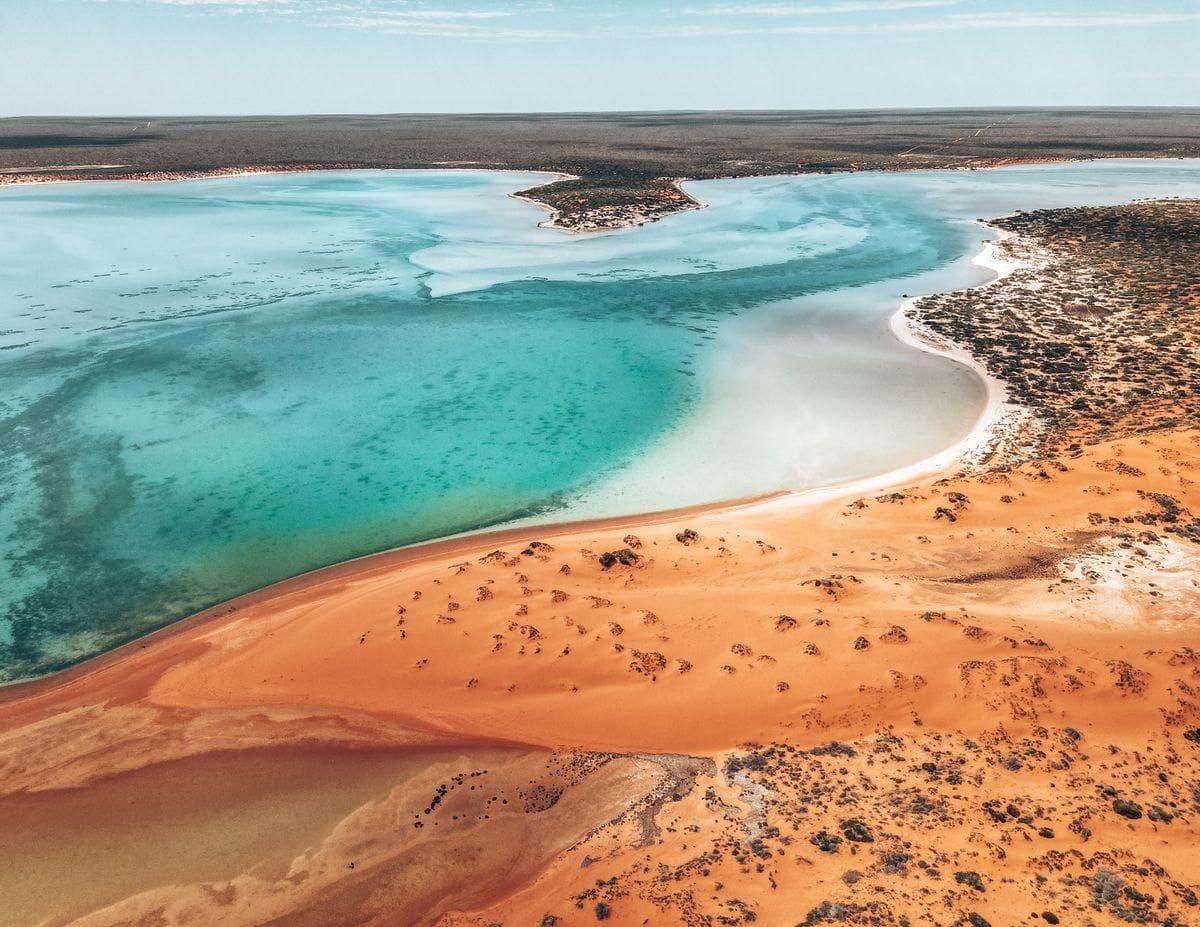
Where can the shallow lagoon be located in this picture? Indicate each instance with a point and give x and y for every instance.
(212, 385)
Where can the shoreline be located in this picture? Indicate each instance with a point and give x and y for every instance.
(999, 405)
(551, 222)
(985, 435)
(987, 429)
(362, 567)
(556, 215)
(901, 325)
(982, 683)
(9, 179)
(155, 177)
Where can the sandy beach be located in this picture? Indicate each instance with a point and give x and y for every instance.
(1004, 626)
(956, 694)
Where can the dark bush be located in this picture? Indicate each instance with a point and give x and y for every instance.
(856, 831)
(825, 841)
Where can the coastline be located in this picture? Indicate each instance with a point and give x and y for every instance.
(156, 177)
(368, 565)
(551, 222)
(969, 690)
(990, 426)
(11, 179)
(978, 443)
(999, 409)
(982, 435)
(643, 213)
(871, 655)
(639, 218)
(997, 418)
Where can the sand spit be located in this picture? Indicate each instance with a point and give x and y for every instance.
(963, 700)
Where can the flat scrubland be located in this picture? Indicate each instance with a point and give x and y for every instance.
(1099, 332)
(973, 699)
(626, 164)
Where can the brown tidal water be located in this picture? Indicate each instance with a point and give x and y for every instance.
(66, 852)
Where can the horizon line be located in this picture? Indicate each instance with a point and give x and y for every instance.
(1017, 107)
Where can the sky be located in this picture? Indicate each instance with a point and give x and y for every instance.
(245, 57)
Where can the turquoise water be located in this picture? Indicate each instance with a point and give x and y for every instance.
(209, 386)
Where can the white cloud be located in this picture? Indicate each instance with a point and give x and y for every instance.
(951, 23)
(1038, 20)
(463, 27)
(231, 4)
(512, 23)
(361, 8)
(783, 10)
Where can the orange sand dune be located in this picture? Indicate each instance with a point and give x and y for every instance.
(1019, 638)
